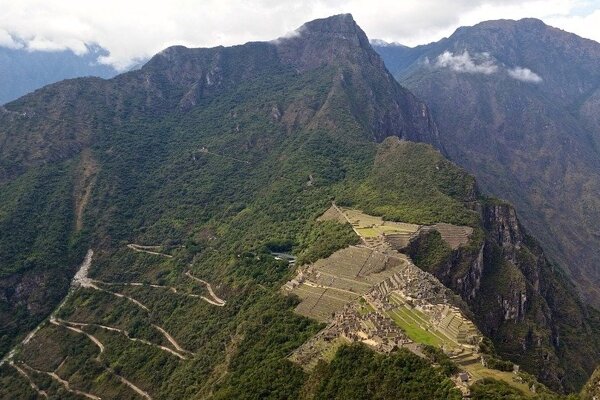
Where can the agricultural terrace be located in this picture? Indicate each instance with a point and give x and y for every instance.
(329, 284)
(374, 230)
(374, 294)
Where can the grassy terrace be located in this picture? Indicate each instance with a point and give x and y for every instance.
(413, 331)
(416, 325)
(368, 226)
(478, 372)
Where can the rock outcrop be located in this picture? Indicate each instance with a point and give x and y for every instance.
(520, 299)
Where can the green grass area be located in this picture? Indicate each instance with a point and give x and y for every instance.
(364, 307)
(413, 331)
(367, 232)
(393, 229)
(413, 320)
(330, 351)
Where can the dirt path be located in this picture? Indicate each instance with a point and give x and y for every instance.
(217, 301)
(147, 249)
(63, 382)
(120, 295)
(131, 385)
(133, 339)
(151, 285)
(101, 346)
(28, 378)
(171, 339)
(94, 339)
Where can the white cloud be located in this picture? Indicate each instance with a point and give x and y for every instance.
(6, 40)
(524, 74)
(135, 29)
(587, 26)
(479, 64)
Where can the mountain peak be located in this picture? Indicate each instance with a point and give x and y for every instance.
(523, 22)
(341, 29)
(340, 24)
(325, 41)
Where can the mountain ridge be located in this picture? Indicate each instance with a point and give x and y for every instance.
(527, 128)
(192, 157)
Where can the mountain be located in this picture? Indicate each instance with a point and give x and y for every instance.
(177, 187)
(527, 125)
(23, 71)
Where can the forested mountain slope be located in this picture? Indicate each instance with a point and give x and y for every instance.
(183, 175)
(517, 106)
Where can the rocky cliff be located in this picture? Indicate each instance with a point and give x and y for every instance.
(517, 106)
(520, 299)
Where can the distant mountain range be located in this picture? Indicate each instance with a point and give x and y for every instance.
(517, 104)
(23, 71)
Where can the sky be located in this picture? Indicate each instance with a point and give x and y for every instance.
(136, 29)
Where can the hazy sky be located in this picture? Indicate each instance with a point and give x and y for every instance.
(132, 29)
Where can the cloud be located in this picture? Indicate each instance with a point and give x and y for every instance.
(6, 40)
(481, 63)
(524, 74)
(136, 29)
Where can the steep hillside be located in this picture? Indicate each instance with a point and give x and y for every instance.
(23, 71)
(182, 177)
(517, 105)
(196, 135)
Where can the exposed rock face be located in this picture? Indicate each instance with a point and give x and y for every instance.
(526, 125)
(522, 301)
(500, 221)
(591, 391)
(390, 109)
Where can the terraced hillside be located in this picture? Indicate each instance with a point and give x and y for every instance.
(206, 163)
(374, 295)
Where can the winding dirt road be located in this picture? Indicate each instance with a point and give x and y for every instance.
(171, 339)
(101, 347)
(151, 285)
(133, 339)
(98, 343)
(63, 382)
(131, 385)
(28, 378)
(148, 249)
(217, 301)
